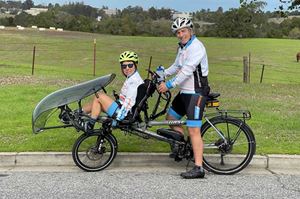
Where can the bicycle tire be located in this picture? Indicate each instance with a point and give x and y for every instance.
(86, 153)
(227, 159)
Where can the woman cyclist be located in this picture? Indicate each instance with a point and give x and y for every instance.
(117, 109)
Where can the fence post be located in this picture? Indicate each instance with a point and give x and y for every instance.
(94, 57)
(246, 70)
(262, 73)
(33, 60)
(249, 66)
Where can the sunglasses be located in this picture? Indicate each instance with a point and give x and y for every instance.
(124, 66)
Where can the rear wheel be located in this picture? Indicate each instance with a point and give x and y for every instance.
(232, 153)
(94, 152)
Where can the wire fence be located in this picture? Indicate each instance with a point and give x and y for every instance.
(59, 54)
(69, 54)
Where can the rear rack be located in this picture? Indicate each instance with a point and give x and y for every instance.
(241, 114)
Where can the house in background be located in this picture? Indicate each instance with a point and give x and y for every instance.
(279, 20)
(110, 12)
(35, 11)
(181, 14)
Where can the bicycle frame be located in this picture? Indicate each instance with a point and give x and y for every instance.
(141, 129)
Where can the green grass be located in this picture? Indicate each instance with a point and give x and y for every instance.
(64, 59)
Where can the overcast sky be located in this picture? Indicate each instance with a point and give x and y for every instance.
(179, 5)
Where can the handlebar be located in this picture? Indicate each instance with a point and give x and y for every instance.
(154, 76)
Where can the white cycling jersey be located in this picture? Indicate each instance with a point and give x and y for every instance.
(190, 67)
(128, 94)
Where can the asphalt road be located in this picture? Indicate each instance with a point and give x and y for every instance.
(143, 183)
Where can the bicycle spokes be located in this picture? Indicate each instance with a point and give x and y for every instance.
(230, 152)
(94, 152)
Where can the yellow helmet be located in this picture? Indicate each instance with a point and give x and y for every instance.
(129, 56)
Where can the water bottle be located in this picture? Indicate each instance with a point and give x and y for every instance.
(160, 70)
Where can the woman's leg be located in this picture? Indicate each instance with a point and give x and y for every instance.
(100, 104)
(87, 108)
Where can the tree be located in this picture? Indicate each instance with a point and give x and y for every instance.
(291, 4)
(45, 19)
(102, 14)
(2, 4)
(246, 21)
(24, 19)
(164, 13)
(294, 33)
(27, 4)
(78, 9)
(153, 13)
(13, 4)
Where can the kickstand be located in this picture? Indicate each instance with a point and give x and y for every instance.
(188, 163)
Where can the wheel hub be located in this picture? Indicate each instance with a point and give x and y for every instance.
(224, 147)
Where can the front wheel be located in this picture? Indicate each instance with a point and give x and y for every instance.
(94, 152)
(230, 150)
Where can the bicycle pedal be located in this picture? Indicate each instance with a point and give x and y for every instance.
(177, 159)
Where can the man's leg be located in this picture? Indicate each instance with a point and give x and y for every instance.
(197, 171)
(176, 128)
(197, 144)
(174, 148)
(194, 122)
(175, 112)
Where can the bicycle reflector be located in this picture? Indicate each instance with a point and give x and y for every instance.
(212, 103)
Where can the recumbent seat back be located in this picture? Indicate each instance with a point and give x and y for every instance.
(144, 91)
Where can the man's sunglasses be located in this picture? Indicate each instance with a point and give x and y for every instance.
(127, 65)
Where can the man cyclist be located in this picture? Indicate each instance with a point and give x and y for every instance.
(191, 71)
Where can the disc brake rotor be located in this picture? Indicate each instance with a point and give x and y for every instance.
(93, 153)
(223, 147)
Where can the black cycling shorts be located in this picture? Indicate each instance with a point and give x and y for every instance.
(191, 105)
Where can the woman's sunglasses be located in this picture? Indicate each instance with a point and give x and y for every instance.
(127, 65)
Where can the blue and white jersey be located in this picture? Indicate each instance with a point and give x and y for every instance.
(190, 67)
(128, 94)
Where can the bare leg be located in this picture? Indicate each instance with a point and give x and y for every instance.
(87, 108)
(197, 144)
(99, 104)
(176, 128)
(96, 108)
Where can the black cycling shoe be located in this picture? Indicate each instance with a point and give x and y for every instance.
(195, 172)
(88, 126)
(63, 117)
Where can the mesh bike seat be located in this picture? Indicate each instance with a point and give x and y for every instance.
(170, 133)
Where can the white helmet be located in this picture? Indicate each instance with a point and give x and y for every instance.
(181, 22)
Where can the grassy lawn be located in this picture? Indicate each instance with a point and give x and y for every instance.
(66, 58)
